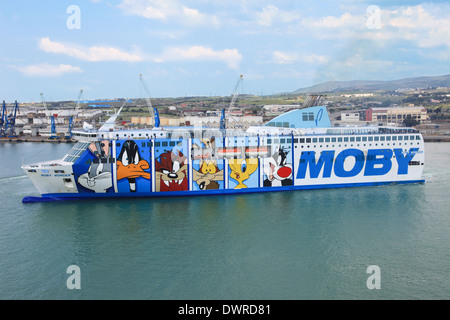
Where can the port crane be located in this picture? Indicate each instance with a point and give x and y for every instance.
(9, 121)
(149, 103)
(54, 134)
(73, 119)
(223, 120)
(3, 120)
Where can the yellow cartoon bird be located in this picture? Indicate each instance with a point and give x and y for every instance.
(242, 169)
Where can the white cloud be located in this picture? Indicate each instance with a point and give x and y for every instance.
(167, 10)
(290, 57)
(420, 24)
(346, 20)
(93, 54)
(424, 25)
(231, 57)
(48, 70)
(315, 58)
(331, 27)
(271, 15)
(284, 57)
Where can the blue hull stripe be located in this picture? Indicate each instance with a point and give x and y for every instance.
(83, 196)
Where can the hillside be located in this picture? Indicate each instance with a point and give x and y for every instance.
(364, 85)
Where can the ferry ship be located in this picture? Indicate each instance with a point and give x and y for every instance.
(297, 150)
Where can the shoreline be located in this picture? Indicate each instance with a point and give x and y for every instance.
(35, 139)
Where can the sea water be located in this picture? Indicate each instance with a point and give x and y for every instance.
(316, 244)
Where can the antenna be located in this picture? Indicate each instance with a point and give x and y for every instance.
(234, 96)
(149, 103)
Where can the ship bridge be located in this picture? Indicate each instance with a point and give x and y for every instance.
(313, 117)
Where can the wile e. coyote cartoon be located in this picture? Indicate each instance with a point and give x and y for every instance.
(208, 175)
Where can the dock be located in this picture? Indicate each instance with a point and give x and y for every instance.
(35, 139)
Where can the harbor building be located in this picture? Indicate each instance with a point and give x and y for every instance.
(396, 115)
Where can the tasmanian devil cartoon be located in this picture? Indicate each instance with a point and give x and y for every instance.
(130, 165)
(278, 172)
(171, 172)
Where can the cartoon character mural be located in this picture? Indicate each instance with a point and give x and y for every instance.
(131, 166)
(98, 177)
(207, 172)
(171, 172)
(276, 169)
(204, 148)
(241, 170)
(208, 176)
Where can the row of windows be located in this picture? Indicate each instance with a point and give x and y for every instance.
(132, 135)
(282, 141)
(149, 144)
(357, 139)
(362, 158)
(301, 140)
(280, 124)
(47, 171)
(358, 145)
(399, 116)
(308, 116)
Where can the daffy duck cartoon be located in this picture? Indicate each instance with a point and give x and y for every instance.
(242, 169)
(130, 165)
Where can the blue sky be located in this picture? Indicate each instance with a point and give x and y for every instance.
(201, 47)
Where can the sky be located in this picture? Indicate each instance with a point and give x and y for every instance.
(201, 47)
